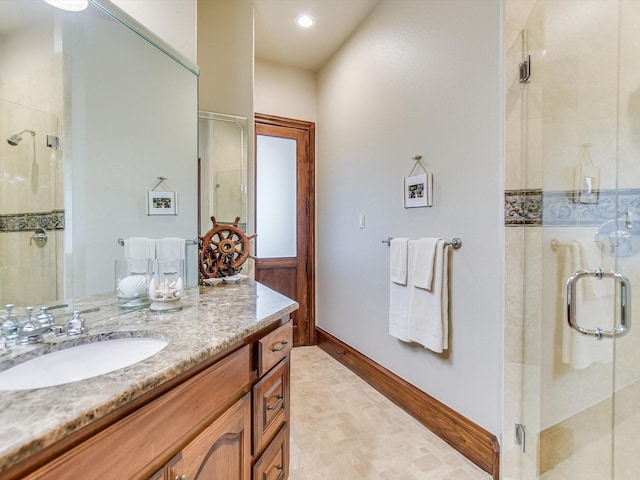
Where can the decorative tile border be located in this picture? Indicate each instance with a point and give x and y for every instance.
(522, 207)
(538, 208)
(25, 222)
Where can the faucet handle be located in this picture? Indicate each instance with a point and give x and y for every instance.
(44, 318)
(75, 325)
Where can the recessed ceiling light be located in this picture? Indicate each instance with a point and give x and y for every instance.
(305, 21)
(69, 5)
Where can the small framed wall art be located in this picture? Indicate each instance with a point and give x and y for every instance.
(418, 190)
(162, 203)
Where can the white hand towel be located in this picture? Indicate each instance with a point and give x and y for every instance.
(139, 247)
(594, 308)
(399, 260)
(169, 248)
(429, 310)
(399, 297)
(423, 263)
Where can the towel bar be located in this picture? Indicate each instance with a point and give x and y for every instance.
(455, 242)
(188, 242)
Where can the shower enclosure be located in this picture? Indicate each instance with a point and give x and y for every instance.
(31, 214)
(572, 400)
(223, 169)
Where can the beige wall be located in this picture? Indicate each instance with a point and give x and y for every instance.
(416, 78)
(285, 91)
(171, 20)
(225, 56)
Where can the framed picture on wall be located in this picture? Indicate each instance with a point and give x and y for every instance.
(418, 190)
(162, 203)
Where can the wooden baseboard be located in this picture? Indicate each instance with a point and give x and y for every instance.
(471, 440)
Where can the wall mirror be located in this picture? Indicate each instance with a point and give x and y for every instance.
(223, 169)
(93, 108)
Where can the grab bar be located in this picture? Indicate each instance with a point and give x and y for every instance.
(625, 304)
(455, 242)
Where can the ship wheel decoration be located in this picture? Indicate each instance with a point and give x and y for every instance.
(223, 250)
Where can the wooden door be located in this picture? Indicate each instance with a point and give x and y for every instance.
(222, 450)
(286, 265)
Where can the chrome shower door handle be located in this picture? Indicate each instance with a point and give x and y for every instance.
(625, 303)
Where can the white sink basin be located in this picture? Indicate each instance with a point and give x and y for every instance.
(79, 363)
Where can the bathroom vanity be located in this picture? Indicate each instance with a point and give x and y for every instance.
(214, 403)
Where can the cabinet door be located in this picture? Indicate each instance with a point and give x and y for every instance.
(221, 451)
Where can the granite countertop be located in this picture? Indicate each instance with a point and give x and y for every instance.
(209, 323)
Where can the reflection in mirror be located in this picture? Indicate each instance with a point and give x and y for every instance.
(102, 111)
(223, 170)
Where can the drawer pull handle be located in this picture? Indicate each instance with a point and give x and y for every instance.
(277, 405)
(181, 477)
(284, 345)
(281, 474)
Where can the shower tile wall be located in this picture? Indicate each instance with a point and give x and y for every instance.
(31, 97)
(574, 97)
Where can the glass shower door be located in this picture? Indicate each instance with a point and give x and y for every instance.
(578, 142)
(626, 403)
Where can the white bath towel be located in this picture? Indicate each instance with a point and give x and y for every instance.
(594, 307)
(424, 263)
(429, 310)
(399, 298)
(399, 260)
(139, 247)
(170, 248)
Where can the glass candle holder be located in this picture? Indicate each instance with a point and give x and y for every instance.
(166, 284)
(132, 282)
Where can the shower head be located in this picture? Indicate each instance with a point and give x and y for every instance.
(16, 138)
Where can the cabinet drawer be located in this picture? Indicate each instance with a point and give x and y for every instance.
(274, 462)
(270, 405)
(274, 347)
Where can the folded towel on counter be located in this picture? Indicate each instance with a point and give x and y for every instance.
(170, 247)
(428, 322)
(423, 262)
(399, 260)
(399, 296)
(139, 247)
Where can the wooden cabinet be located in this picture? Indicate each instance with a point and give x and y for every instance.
(271, 406)
(200, 429)
(221, 451)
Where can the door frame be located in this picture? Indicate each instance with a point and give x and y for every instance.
(310, 129)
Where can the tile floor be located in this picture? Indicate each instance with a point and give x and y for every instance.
(343, 429)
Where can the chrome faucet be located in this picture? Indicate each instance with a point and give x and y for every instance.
(30, 330)
(75, 325)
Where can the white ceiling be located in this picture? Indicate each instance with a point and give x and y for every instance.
(278, 39)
